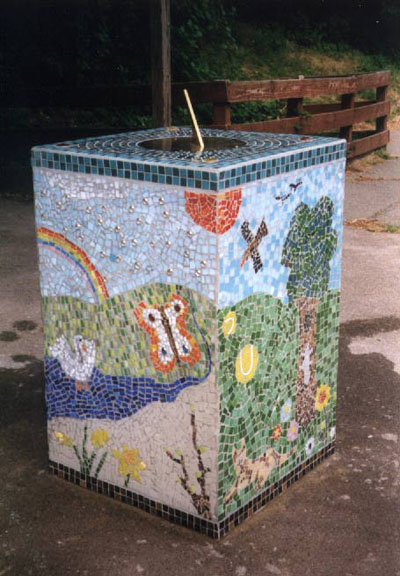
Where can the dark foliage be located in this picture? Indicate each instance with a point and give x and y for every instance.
(46, 43)
(369, 25)
(49, 42)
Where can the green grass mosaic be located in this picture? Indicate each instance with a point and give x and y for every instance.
(253, 410)
(124, 345)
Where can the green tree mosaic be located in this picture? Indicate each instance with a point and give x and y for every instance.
(310, 244)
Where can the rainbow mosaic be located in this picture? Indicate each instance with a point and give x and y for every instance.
(191, 308)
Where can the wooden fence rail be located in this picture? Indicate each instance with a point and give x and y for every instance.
(301, 118)
(340, 117)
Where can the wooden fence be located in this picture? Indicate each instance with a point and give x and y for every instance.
(339, 118)
(302, 118)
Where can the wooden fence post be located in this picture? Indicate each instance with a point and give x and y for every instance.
(381, 95)
(294, 107)
(222, 114)
(221, 94)
(160, 62)
(347, 102)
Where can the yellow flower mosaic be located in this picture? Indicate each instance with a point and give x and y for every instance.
(63, 439)
(99, 438)
(130, 462)
(322, 397)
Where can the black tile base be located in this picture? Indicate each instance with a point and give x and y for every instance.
(213, 529)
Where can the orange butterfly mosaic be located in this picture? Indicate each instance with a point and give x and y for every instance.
(170, 341)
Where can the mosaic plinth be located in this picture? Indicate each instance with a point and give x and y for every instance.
(191, 306)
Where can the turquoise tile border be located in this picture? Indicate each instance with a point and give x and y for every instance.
(266, 155)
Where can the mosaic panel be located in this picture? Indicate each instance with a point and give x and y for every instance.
(102, 354)
(279, 274)
(190, 329)
(113, 232)
(261, 438)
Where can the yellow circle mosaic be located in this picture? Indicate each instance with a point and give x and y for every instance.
(229, 324)
(246, 364)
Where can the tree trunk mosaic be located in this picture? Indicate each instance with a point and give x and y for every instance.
(306, 377)
(191, 305)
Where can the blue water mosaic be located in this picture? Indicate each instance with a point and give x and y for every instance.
(113, 397)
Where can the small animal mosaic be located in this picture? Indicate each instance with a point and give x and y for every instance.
(77, 364)
(292, 189)
(254, 471)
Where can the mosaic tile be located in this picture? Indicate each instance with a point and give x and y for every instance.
(191, 309)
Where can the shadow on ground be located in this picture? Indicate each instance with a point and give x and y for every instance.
(340, 519)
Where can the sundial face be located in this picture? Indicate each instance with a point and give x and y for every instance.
(175, 144)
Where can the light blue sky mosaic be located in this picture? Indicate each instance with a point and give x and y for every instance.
(258, 202)
(133, 234)
(141, 233)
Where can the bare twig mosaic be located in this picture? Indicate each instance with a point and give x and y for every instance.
(201, 501)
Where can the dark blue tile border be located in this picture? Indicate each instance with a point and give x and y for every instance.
(215, 529)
